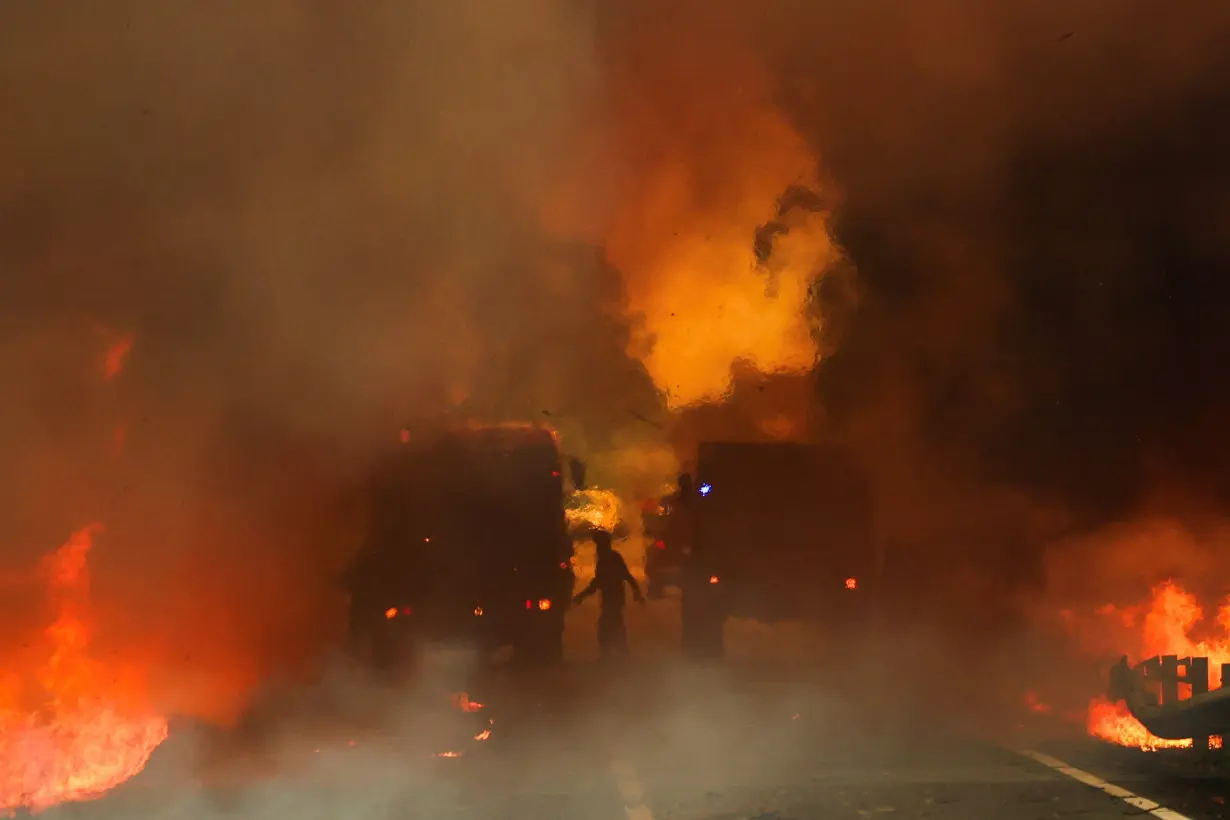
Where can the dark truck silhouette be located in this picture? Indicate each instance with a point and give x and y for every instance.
(777, 531)
(467, 543)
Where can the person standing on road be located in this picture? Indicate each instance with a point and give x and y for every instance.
(609, 578)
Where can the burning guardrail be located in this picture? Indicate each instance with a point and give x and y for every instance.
(1172, 699)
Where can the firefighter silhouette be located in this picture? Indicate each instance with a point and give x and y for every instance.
(609, 578)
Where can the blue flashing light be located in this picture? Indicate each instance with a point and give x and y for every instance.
(705, 489)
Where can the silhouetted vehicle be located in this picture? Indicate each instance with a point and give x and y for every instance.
(467, 543)
(779, 531)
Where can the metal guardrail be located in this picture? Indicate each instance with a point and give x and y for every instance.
(1152, 690)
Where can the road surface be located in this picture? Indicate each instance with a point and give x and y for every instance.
(678, 744)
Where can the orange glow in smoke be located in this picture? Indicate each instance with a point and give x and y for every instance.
(1035, 705)
(701, 161)
(851, 583)
(462, 703)
(1165, 625)
(113, 361)
(691, 268)
(72, 729)
(391, 613)
(544, 604)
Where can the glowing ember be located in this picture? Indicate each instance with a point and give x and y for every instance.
(1165, 625)
(82, 738)
(462, 703)
(448, 754)
(483, 735)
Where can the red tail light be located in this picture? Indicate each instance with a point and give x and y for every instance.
(660, 544)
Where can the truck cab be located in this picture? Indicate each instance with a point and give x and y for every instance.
(780, 531)
(466, 544)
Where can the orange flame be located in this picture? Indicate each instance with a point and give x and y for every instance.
(1113, 722)
(84, 738)
(1166, 625)
(462, 703)
(714, 270)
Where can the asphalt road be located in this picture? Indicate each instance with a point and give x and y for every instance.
(672, 742)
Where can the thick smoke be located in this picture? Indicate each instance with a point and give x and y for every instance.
(315, 225)
(1033, 196)
(318, 224)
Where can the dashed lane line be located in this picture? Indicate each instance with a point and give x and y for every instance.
(631, 790)
(1134, 800)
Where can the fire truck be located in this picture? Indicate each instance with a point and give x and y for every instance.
(467, 544)
(779, 531)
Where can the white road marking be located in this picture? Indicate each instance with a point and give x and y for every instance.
(1081, 776)
(631, 790)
